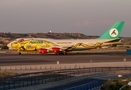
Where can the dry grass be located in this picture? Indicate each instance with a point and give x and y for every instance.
(6, 74)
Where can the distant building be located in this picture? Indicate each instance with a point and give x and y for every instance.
(50, 31)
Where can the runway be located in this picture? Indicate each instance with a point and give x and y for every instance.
(14, 59)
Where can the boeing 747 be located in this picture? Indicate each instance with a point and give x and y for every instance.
(63, 46)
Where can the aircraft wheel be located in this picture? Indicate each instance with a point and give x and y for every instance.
(61, 53)
(57, 53)
(65, 53)
(19, 53)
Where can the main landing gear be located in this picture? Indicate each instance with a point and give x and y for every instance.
(19, 53)
(61, 53)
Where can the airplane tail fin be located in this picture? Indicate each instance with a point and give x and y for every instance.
(114, 31)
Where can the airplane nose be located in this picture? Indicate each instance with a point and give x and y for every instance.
(9, 45)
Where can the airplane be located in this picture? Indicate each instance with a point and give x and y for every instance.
(63, 46)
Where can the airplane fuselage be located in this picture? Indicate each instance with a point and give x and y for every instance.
(71, 44)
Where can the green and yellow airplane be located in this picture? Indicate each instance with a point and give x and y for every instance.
(62, 46)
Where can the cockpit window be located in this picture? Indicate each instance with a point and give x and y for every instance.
(21, 40)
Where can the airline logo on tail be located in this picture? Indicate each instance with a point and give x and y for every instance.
(113, 32)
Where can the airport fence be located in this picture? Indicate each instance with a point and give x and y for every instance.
(37, 78)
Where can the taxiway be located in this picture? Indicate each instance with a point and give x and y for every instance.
(26, 59)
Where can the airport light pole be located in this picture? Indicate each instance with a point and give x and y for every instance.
(129, 84)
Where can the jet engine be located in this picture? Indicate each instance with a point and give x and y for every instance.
(43, 50)
(56, 50)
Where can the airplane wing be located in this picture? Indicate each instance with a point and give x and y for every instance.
(112, 42)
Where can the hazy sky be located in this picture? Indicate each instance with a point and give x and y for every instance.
(90, 17)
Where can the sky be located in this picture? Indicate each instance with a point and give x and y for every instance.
(89, 17)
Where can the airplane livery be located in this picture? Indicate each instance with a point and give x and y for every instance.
(63, 46)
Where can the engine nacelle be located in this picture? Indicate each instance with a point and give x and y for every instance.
(43, 50)
(56, 49)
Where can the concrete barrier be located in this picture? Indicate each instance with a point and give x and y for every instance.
(46, 67)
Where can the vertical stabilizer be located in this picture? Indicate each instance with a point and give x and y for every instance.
(113, 32)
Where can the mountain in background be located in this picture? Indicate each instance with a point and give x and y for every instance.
(5, 38)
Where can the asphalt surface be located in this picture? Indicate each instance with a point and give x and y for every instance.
(34, 59)
(69, 85)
